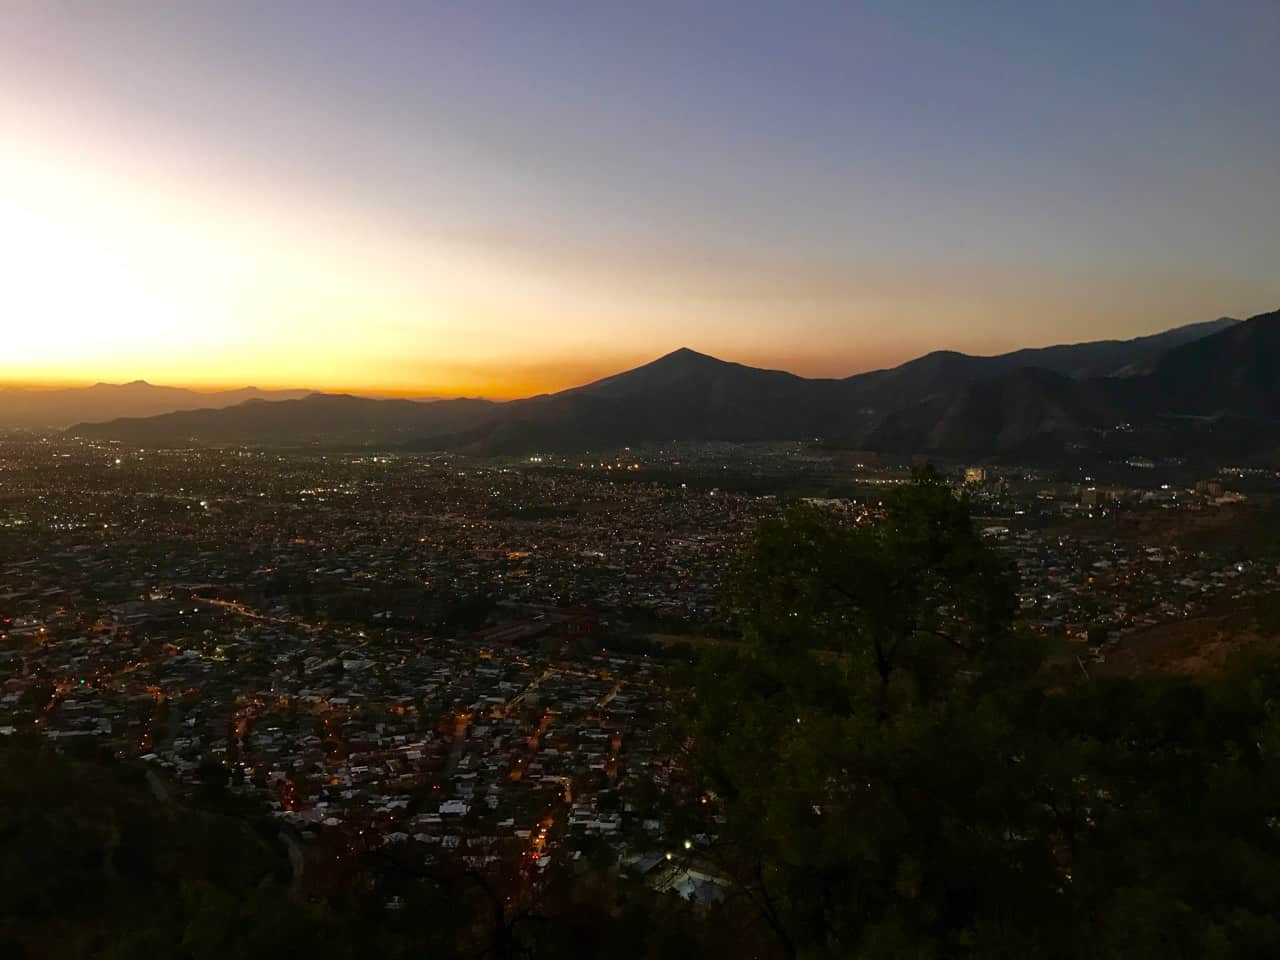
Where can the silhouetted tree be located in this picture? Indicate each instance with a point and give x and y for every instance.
(880, 771)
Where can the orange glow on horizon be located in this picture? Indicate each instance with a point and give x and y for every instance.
(503, 381)
(117, 270)
(426, 203)
(516, 386)
(124, 263)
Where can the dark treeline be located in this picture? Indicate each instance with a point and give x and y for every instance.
(893, 772)
(882, 767)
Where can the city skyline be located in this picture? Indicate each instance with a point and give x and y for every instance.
(437, 201)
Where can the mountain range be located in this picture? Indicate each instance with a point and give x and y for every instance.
(1217, 395)
(1208, 388)
(41, 409)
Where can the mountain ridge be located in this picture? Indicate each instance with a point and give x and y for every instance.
(942, 402)
(56, 407)
(1227, 378)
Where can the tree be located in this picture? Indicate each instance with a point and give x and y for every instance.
(1268, 614)
(881, 771)
(1168, 798)
(212, 774)
(856, 747)
(909, 605)
(1097, 633)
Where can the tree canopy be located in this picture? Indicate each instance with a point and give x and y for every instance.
(886, 772)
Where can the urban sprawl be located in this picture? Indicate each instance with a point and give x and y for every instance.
(473, 655)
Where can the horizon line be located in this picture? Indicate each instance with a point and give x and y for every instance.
(501, 396)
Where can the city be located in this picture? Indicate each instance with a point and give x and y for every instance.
(471, 652)
(729, 480)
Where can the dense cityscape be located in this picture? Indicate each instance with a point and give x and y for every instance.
(473, 655)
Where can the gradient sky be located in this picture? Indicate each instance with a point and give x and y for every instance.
(500, 198)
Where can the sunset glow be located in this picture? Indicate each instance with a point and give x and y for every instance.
(188, 194)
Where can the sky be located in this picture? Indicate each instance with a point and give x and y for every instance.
(501, 198)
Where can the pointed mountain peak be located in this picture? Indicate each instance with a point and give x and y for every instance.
(687, 355)
(686, 359)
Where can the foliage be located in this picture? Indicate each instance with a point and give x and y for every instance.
(96, 864)
(888, 775)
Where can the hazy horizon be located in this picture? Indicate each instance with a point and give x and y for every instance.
(443, 200)
(410, 393)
